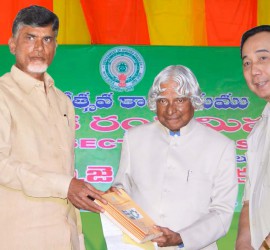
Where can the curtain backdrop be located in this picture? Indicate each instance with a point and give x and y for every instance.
(147, 22)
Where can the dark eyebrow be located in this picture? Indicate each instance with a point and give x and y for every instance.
(30, 34)
(262, 50)
(49, 37)
(258, 51)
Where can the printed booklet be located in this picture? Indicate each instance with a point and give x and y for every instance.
(129, 217)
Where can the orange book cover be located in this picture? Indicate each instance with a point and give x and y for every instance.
(127, 215)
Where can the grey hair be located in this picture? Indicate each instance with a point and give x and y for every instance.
(35, 16)
(188, 86)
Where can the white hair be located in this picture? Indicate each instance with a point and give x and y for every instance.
(187, 86)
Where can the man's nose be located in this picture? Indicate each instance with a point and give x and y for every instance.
(255, 68)
(171, 108)
(39, 45)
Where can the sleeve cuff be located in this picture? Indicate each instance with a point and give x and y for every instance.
(62, 185)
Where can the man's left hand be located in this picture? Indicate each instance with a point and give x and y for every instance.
(169, 237)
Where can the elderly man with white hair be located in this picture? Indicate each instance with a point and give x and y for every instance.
(179, 171)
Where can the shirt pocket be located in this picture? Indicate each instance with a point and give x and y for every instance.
(65, 132)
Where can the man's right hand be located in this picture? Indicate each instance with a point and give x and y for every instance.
(82, 195)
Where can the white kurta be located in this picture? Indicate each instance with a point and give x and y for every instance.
(185, 183)
(257, 187)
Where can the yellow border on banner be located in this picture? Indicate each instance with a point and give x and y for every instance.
(73, 27)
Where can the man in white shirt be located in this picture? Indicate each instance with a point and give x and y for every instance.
(254, 224)
(179, 171)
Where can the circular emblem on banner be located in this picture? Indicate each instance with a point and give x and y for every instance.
(122, 68)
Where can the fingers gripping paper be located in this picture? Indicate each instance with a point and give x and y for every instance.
(129, 217)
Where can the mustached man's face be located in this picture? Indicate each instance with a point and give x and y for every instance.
(34, 49)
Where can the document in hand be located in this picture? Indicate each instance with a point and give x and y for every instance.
(130, 218)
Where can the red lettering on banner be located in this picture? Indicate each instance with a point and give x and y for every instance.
(102, 174)
(241, 174)
(219, 124)
(107, 143)
(249, 124)
(241, 144)
(93, 143)
(88, 143)
(77, 123)
(126, 124)
(106, 124)
(111, 123)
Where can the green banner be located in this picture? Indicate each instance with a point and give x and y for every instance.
(108, 86)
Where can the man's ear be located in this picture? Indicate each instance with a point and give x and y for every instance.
(12, 45)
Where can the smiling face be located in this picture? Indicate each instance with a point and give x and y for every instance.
(256, 64)
(173, 112)
(34, 49)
